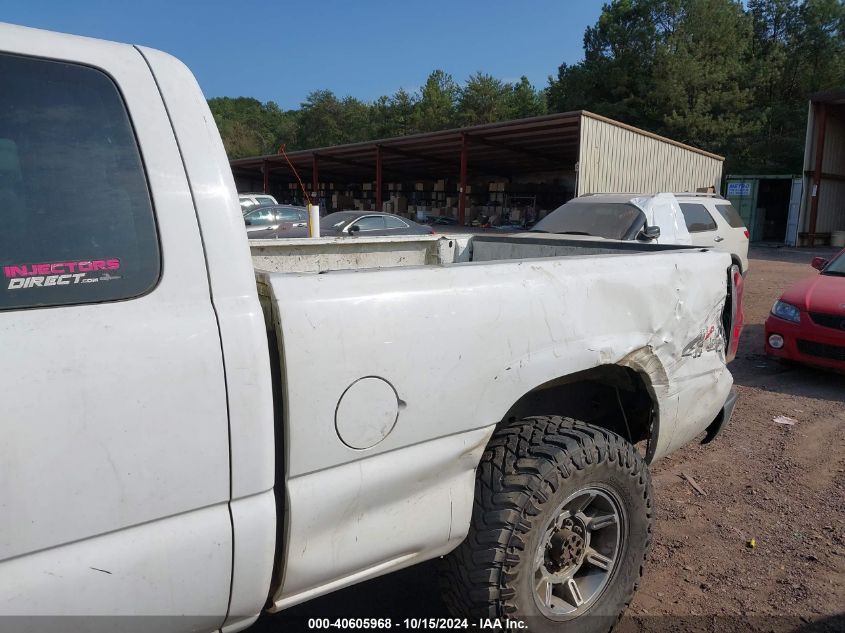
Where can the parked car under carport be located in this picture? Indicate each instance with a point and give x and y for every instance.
(350, 224)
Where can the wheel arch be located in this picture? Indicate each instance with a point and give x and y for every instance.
(620, 397)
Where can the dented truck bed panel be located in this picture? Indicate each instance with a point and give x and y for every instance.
(416, 366)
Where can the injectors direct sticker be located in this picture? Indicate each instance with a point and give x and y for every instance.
(64, 273)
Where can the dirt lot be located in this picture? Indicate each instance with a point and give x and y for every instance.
(783, 486)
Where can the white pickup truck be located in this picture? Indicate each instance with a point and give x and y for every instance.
(183, 448)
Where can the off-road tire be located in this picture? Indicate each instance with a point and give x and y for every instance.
(528, 468)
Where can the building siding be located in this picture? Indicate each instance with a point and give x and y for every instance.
(616, 159)
(830, 216)
(832, 194)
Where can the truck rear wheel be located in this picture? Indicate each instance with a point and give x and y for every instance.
(560, 528)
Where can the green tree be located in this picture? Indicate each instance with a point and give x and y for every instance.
(777, 145)
(525, 101)
(393, 116)
(320, 119)
(484, 99)
(436, 108)
(403, 106)
(616, 77)
(702, 87)
(798, 50)
(714, 73)
(354, 121)
(325, 120)
(817, 40)
(249, 127)
(382, 122)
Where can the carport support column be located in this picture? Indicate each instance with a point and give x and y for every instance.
(315, 179)
(379, 205)
(821, 127)
(462, 187)
(265, 170)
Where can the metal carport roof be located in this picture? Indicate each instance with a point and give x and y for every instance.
(496, 150)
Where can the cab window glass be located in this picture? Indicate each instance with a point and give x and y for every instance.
(76, 219)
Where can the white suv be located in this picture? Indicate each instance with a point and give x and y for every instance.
(713, 222)
(700, 219)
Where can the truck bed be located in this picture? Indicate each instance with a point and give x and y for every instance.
(326, 254)
(437, 338)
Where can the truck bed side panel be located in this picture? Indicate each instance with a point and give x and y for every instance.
(460, 345)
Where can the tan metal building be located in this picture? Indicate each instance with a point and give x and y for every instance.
(822, 212)
(484, 169)
(615, 157)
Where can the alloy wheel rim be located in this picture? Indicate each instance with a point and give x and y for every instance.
(579, 552)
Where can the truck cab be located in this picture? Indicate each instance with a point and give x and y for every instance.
(138, 411)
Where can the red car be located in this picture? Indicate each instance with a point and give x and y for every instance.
(807, 323)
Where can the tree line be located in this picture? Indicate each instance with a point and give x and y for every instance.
(730, 77)
(250, 128)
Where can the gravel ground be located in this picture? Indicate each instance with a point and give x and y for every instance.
(783, 486)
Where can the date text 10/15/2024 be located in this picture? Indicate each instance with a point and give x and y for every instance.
(412, 624)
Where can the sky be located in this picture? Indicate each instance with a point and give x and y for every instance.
(280, 50)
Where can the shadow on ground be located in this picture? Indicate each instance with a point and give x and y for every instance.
(793, 255)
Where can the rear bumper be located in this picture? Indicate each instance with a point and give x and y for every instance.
(722, 419)
(806, 343)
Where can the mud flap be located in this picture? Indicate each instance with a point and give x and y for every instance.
(722, 419)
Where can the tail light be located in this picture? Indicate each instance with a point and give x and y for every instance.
(733, 317)
(747, 234)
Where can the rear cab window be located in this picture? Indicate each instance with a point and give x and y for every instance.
(727, 211)
(697, 217)
(76, 217)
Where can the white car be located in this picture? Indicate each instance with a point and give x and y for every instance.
(698, 219)
(251, 200)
